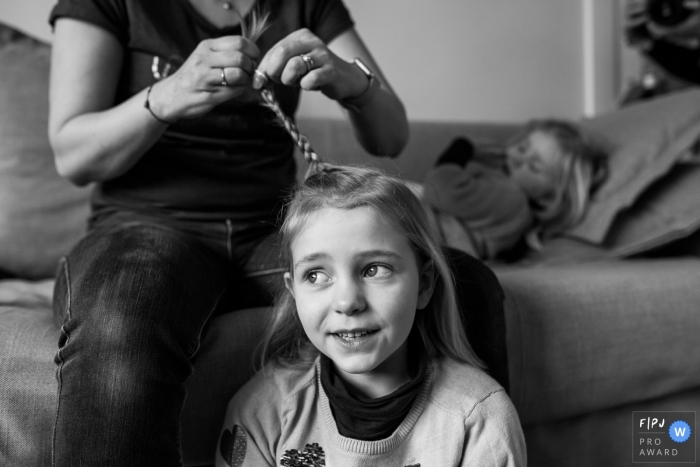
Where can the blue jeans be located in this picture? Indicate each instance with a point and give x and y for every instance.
(133, 298)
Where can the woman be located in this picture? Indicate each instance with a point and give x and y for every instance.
(154, 102)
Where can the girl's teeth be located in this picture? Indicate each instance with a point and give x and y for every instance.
(352, 335)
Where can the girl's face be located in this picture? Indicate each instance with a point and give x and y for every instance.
(534, 162)
(357, 285)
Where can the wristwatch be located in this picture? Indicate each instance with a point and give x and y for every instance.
(355, 103)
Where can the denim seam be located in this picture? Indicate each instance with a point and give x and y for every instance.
(66, 275)
(198, 338)
(229, 234)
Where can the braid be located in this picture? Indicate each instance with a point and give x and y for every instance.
(259, 21)
(301, 140)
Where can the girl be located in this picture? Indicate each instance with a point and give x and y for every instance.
(367, 360)
(538, 187)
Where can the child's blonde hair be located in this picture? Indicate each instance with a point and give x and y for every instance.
(440, 325)
(581, 172)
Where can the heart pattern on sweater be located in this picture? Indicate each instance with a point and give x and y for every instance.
(232, 446)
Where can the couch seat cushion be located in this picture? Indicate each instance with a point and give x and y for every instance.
(588, 337)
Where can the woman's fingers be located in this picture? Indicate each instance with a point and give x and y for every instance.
(276, 60)
(230, 77)
(231, 59)
(238, 43)
(217, 70)
(318, 78)
(297, 67)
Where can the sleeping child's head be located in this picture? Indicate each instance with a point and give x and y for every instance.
(365, 271)
(557, 167)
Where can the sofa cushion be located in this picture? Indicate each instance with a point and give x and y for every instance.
(588, 337)
(666, 212)
(41, 214)
(645, 140)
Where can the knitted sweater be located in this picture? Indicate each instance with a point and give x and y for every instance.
(491, 208)
(461, 417)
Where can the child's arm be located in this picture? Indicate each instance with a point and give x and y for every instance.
(495, 435)
(250, 428)
(462, 185)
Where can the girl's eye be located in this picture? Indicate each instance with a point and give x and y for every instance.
(317, 277)
(377, 270)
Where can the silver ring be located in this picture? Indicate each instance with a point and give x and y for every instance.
(224, 83)
(309, 62)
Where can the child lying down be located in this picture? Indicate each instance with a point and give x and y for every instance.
(536, 187)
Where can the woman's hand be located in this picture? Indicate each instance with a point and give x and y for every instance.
(379, 120)
(216, 71)
(322, 70)
(95, 140)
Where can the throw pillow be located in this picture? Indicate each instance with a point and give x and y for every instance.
(41, 215)
(645, 141)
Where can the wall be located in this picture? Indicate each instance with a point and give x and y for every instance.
(489, 60)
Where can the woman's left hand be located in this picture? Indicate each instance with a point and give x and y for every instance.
(321, 70)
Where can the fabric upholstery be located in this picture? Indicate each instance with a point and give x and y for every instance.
(41, 214)
(333, 140)
(666, 213)
(28, 343)
(644, 140)
(602, 438)
(588, 337)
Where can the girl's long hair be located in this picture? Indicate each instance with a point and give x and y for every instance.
(439, 325)
(583, 169)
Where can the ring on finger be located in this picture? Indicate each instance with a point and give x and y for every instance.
(309, 62)
(224, 83)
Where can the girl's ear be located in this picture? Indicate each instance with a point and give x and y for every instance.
(289, 283)
(426, 284)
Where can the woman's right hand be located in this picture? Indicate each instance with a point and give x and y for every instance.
(95, 140)
(216, 71)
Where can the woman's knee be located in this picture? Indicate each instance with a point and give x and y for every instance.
(135, 278)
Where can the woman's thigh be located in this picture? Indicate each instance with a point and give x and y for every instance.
(133, 298)
(134, 273)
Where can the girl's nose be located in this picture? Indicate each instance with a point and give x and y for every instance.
(348, 297)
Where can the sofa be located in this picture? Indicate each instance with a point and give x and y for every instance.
(597, 326)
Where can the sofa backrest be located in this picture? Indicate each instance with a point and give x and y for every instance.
(334, 141)
(41, 214)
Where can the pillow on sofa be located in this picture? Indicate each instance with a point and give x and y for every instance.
(645, 140)
(667, 211)
(41, 214)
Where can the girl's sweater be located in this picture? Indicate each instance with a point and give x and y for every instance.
(460, 417)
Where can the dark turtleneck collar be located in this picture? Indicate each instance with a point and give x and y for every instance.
(367, 419)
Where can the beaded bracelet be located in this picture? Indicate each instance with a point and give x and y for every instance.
(147, 104)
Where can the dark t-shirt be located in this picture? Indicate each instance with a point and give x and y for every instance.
(234, 162)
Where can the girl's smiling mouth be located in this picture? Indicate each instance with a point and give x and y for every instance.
(355, 334)
(354, 338)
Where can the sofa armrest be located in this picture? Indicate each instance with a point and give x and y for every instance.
(587, 337)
